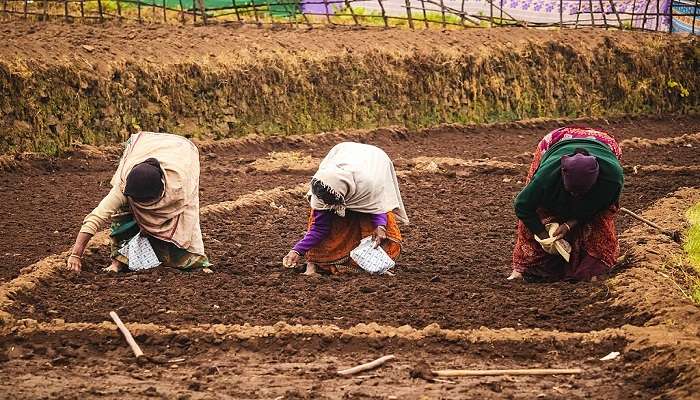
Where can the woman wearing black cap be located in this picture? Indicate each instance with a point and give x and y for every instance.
(155, 195)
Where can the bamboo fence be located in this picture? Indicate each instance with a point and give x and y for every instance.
(415, 14)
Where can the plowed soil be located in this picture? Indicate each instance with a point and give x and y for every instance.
(451, 272)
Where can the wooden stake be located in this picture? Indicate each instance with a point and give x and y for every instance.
(119, 9)
(46, 11)
(127, 335)
(99, 9)
(203, 10)
(365, 367)
(408, 13)
(386, 21)
(496, 372)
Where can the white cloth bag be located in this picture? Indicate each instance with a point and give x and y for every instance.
(374, 261)
(140, 253)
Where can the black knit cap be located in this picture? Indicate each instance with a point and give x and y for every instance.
(145, 181)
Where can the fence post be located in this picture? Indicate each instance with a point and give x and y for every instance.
(695, 15)
(65, 9)
(25, 9)
(99, 9)
(408, 14)
(203, 10)
(602, 13)
(45, 17)
(352, 12)
(578, 14)
(561, 14)
(425, 15)
(82, 10)
(461, 16)
(658, 14)
(590, 4)
(614, 10)
(326, 10)
(235, 8)
(386, 21)
(138, 7)
(4, 7)
(442, 11)
(119, 9)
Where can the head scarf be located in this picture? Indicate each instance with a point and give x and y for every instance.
(361, 178)
(145, 181)
(579, 172)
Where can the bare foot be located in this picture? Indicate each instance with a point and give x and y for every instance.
(515, 275)
(115, 267)
(207, 271)
(310, 269)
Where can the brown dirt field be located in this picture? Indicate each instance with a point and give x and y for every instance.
(84, 176)
(301, 368)
(451, 273)
(164, 44)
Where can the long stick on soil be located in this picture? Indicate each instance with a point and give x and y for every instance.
(495, 372)
(675, 235)
(365, 367)
(127, 335)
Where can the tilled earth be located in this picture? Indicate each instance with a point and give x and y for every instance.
(451, 272)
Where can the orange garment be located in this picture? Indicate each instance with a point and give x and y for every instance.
(333, 253)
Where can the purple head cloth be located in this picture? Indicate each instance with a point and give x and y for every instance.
(579, 172)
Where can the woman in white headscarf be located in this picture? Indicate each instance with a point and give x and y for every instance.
(354, 194)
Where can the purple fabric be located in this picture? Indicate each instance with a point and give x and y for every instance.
(379, 220)
(322, 226)
(579, 172)
(318, 231)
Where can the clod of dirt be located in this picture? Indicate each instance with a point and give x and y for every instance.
(422, 370)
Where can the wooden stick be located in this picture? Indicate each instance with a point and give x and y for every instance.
(365, 367)
(127, 335)
(408, 14)
(640, 218)
(494, 372)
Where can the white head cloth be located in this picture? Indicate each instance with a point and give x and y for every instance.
(364, 176)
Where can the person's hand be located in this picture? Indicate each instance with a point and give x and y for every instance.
(291, 259)
(75, 263)
(563, 230)
(379, 236)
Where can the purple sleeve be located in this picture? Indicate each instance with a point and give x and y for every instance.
(318, 231)
(379, 219)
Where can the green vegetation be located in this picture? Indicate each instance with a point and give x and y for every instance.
(692, 247)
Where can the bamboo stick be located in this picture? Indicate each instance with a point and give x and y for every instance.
(367, 366)
(326, 10)
(408, 13)
(65, 9)
(127, 335)
(203, 11)
(578, 13)
(614, 10)
(352, 12)
(602, 12)
(25, 8)
(590, 4)
(386, 21)
(165, 17)
(442, 11)
(561, 14)
(496, 372)
(235, 8)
